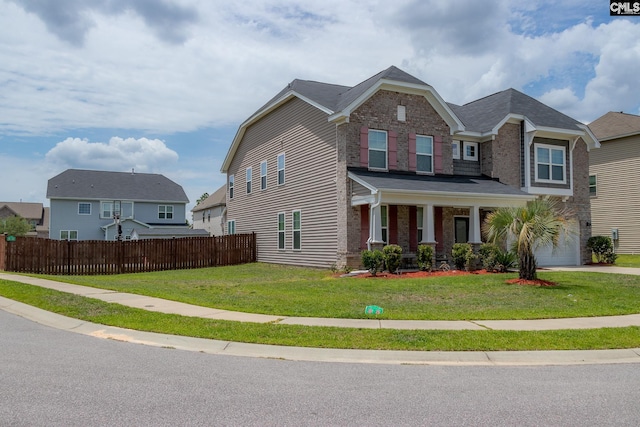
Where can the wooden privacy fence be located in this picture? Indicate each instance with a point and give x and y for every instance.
(45, 256)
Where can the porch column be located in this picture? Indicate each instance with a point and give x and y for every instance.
(428, 227)
(375, 225)
(474, 225)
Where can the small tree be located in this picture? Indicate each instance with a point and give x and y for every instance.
(202, 198)
(392, 257)
(602, 248)
(425, 257)
(540, 223)
(15, 226)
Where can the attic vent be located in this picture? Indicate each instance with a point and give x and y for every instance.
(402, 113)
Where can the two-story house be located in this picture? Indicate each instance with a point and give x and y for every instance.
(323, 171)
(614, 180)
(211, 213)
(35, 213)
(84, 205)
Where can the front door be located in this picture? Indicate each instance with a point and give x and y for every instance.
(461, 226)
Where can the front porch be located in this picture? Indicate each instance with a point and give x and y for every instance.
(410, 210)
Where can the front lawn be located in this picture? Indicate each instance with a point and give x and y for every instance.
(294, 291)
(625, 260)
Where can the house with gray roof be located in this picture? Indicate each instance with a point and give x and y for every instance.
(211, 213)
(102, 205)
(614, 179)
(323, 171)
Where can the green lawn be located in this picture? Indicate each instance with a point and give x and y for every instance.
(294, 291)
(100, 312)
(624, 260)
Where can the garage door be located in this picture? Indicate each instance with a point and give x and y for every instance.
(566, 253)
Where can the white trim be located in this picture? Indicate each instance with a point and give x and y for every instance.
(544, 191)
(231, 222)
(549, 147)
(166, 211)
(294, 229)
(432, 155)
(231, 180)
(283, 231)
(265, 176)
(455, 149)
(284, 169)
(249, 179)
(84, 203)
(474, 157)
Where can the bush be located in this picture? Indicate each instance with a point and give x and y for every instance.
(602, 248)
(425, 257)
(488, 253)
(505, 260)
(392, 257)
(373, 261)
(462, 256)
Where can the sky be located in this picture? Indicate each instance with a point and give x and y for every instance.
(161, 86)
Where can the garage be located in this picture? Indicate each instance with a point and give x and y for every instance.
(566, 253)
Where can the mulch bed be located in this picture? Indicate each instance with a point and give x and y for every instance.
(418, 274)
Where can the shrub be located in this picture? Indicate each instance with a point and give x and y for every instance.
(487, 254)
(392, 257)
(425, 257)
(462, 256)
(505, 260)
(602, 248)
(373, 261)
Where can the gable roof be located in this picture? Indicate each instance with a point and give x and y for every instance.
(103, 185)
(339, 101)
(24, 209)
(218, 198)
(615, 125)
(483, 115)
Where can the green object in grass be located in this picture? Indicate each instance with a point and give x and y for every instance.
(373, 309)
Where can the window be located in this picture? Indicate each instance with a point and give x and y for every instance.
(84, 208)
(281, 230)
(231, 181)
(280, 169)
(455, 146)
(377, 149)
(419, 212)
(68, 234)
(165, 212)
(424, 152)
(550, 163)
(297, 230)
(249, 179)
(384, 221)
(592, 185)
(231, 226)
(107, 210)
(470, 151)
(263, 175)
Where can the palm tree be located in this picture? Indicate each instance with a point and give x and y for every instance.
(540, 223)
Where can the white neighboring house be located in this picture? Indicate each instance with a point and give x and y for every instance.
(211, 213)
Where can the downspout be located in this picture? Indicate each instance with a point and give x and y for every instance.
(371, 221)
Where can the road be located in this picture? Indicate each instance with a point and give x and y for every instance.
(57, 378)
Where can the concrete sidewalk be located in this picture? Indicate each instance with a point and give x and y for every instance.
(296, 353)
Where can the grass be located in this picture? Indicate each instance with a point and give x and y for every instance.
(294, 291)
(625, 260)
(117, 315)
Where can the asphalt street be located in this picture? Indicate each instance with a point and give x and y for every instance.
(54, 377)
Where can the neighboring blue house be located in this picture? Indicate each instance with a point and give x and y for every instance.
(83, 204)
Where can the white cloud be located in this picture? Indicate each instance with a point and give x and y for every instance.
(144, 155)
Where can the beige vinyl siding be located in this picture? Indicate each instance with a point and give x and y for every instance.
(617, 203)
(303, 134)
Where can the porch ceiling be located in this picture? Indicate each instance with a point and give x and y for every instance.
(450, 190)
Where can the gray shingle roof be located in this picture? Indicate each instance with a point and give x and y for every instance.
(484, 114)
(90, 184)
(219, 197)
(436, 183)
(614, 124)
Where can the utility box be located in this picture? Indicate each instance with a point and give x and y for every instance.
(614, 234)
